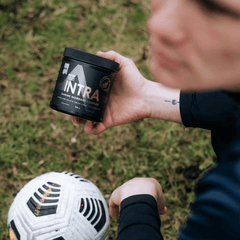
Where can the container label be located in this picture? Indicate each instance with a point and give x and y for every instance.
(82, 90)
(65, 70)
(105, 84)
(71, 85)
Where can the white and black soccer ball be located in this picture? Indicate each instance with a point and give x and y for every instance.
(59, 206)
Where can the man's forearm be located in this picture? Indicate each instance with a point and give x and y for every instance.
(164, 102)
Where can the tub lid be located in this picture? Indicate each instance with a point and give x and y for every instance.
(90, 58)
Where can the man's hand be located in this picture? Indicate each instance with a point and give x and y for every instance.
(134, 98)
(127, 101)
(134, 187)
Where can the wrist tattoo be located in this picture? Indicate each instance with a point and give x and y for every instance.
(173, 102)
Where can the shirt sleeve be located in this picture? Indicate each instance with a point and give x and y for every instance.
(209, 110)
(139, 219)
(215, 212)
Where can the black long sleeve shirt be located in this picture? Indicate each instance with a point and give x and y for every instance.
(215, 213)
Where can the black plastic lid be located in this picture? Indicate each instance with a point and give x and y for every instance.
(90, 58)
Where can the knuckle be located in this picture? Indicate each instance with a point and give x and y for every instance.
(130, 61)
(111, 52)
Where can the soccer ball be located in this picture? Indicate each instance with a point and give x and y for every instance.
(59, 206)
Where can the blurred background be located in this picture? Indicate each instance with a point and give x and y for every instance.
(35, 139)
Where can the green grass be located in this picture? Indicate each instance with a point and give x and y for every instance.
(35, 139)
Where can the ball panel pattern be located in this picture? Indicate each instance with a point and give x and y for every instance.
(102, 220)
(44, 195)
(53, 184)
(95, 208)
(41, 210)
(53, 189)
(59, 206)
(39, 198)
(14, 229)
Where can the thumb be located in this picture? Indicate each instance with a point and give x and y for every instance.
(114, 209)
(111, 55)
(114, 203)
(114, 56)
(164, 211)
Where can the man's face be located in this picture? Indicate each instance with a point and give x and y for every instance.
(195, 44)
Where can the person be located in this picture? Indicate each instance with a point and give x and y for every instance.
(195, 59)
